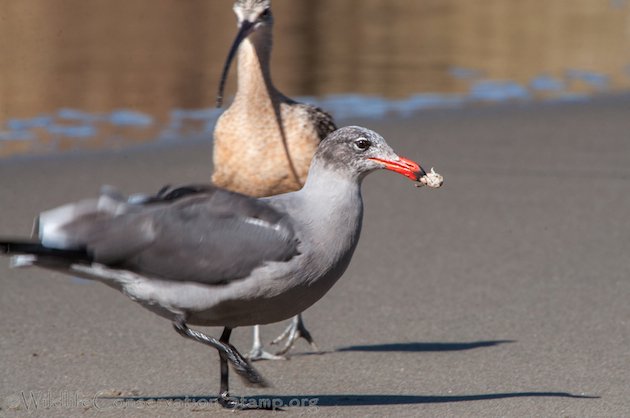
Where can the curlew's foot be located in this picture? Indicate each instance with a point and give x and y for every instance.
(292, 333)
(258, 353)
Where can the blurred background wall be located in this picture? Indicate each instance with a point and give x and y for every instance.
(156, 55)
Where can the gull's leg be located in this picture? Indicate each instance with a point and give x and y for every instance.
(292, 333)
(258, 352)
(227, 353)
(224, 398)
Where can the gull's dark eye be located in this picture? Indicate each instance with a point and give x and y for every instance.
(362, 144)
(265, 14)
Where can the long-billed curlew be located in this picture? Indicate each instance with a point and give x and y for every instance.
(264, 142)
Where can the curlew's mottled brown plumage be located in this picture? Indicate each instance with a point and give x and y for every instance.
(264, 142)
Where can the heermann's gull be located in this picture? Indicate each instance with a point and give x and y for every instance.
(201, 255)
(277, 135)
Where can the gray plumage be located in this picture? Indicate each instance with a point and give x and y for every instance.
(264, 259)
(208, 238)
(202, 255)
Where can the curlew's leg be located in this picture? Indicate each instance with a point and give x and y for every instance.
(258, 352)
(227, 353)
(293, 332)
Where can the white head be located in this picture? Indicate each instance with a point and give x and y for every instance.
(354, 152)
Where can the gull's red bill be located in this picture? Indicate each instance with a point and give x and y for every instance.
(404, 166)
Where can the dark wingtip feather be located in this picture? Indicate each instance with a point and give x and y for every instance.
(36, 248)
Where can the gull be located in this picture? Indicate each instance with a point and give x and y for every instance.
(205, 256)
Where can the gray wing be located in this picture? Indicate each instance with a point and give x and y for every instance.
(200, 234)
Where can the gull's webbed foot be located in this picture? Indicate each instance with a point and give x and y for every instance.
(230, 402)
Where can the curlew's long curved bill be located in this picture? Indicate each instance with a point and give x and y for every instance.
(245, 29)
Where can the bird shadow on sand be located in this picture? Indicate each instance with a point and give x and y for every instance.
(412, 347)
(382, 399)
(279, 402)
(326, 400)
(420, 347)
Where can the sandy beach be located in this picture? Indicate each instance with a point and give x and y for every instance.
(504, 294)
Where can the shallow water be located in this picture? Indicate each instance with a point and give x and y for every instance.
(77, 74)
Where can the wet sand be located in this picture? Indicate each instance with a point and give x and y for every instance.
(505, 293)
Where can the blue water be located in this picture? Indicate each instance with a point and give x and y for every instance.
(80, 125)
